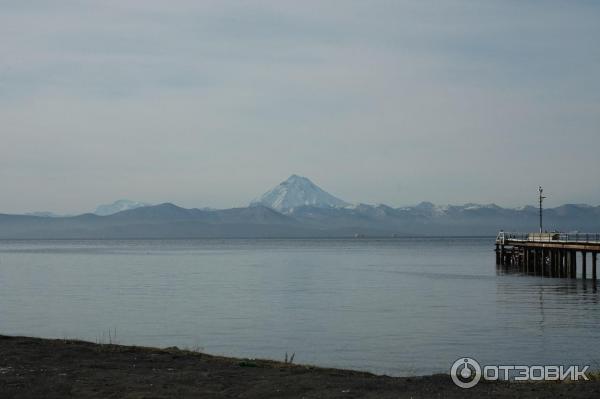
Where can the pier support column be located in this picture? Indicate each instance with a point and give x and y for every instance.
(573, 264)
(594, 266)
(521, 256)
(542, 255)
(526, 259)
(497, 254)
(502, 255)
(583, 265)
(513, 257)
(558, 263)
(544, 263)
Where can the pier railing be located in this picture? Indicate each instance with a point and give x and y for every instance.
(504, 236)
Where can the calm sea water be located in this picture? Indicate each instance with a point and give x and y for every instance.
(398, 306)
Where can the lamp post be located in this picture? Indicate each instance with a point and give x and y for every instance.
(541, 190)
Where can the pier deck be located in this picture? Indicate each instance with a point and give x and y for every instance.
(549, 254)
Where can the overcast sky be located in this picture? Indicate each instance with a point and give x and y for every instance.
(207, 103)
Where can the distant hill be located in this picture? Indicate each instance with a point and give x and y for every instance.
(44, 214)
(158, 221)
(118, 206)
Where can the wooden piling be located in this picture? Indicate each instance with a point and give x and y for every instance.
(594, 266)
(521, 258)
(558, 263)
(544, 263)
(514, 261)
(541, 262)
(583, 265)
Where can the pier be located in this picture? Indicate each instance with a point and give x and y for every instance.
(549, 254)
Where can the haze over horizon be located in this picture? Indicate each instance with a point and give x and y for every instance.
(212, 104)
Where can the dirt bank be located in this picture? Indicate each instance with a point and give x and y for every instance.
(42, 368)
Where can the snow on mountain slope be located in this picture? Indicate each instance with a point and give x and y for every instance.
(44, 214)
(298, 191)
(118, 206)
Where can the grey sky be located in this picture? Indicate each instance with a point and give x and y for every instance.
(211, 103)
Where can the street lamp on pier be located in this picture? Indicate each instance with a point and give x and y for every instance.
(541, 190)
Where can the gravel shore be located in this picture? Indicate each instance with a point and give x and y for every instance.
(45, 368)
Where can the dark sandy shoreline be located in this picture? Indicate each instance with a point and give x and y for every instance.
(44, 368)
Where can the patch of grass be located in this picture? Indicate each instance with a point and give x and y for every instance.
(108, 337)
(290, 360)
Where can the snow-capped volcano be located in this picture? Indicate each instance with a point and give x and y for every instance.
(298, 191)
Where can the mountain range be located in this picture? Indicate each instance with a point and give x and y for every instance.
(295, 208)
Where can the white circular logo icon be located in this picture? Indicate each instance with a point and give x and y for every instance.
(465, 372)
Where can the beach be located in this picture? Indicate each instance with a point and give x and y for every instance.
(57, 368)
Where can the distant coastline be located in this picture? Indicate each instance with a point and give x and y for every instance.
(169, 221)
